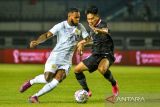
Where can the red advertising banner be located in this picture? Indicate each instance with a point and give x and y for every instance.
(25, 55)
(144, 58)
(148, 58)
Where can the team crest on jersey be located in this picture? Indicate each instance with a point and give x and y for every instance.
(54, 66)
(77, 31)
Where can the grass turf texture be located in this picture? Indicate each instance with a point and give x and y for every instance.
(133, 81)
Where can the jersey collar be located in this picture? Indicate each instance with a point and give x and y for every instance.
(69, 26)
(98, 22)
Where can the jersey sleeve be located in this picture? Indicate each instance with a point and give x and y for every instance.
(104, 25)
(55, 29)
(84, 31)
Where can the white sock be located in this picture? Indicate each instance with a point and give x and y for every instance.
(38, 79)
(48, 87)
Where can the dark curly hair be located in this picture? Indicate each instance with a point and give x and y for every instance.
(73, 10)
(92, 9)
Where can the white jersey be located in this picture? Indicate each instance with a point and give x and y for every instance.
(67, 38)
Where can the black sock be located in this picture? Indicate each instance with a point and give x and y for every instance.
(109, 77)
(82, 80)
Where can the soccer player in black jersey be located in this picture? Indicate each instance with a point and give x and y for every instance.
(102, 52)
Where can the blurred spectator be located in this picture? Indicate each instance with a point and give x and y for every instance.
(130, 9)
(147, 15)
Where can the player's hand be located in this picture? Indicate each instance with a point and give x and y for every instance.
(80, 48)
(33, 44)
(94, 29)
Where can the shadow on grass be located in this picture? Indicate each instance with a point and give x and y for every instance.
(72, 101)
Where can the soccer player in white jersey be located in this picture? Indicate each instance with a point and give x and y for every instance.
(59, 62)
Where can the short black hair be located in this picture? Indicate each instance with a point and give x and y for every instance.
(73, 10)
(92, 9)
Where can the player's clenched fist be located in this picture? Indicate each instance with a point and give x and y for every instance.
(33, 44)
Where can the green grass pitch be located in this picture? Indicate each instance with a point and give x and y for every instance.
(133, 81)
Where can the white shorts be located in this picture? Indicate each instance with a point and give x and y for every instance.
(50, 67)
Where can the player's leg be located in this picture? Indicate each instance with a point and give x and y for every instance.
(47, 76)
(103, 68)
(88, 64)
(59, 76)
(42, 78)
(78, 70)
(38, 79)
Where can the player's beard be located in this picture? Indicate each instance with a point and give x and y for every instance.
(73, 24)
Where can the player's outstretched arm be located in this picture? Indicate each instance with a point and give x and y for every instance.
(40, 39)
(99, 30)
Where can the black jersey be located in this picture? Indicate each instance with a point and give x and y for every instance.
(102, 43)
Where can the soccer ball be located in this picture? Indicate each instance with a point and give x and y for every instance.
(81, 96)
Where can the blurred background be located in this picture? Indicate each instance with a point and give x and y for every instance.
(135, 27)
(135, 30)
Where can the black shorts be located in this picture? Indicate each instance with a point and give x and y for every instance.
(93, 61)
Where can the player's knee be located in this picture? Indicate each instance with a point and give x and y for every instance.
(60, 76)
(103, 66)
(48, 76)
(102, 70)
(77, 69)
(80, 68)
